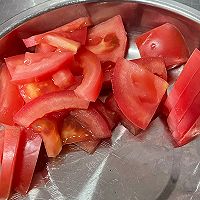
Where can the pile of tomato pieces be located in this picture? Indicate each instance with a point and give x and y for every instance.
(55, 95)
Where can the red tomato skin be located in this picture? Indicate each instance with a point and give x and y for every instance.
(91, 84)
(70, 27)
(27, 156)
(137, 92)
(41, 65)
(164, 41)
(63, 78)
(48, 103)
(113, 25)
(1, 143)
(189, 71)
(93, 121)
(155, 65)
(10, 100)
(11, 143)
(89, 146)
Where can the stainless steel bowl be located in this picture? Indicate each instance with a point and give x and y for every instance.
(146, 167)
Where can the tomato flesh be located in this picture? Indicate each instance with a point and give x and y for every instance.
(92, 81)
(108, 39)
(44, 48)
(10, 99)
(27, 156)
(156, 65)
(1, 143)
(93, 121)
(48, 103)
(137, 92)
(11, 143)
(49, 132)
(164, 41)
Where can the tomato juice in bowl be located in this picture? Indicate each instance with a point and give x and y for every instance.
(126, 157)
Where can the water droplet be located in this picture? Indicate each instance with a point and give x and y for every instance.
(153, 46)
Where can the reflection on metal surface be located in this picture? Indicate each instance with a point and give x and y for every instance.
(145, 167)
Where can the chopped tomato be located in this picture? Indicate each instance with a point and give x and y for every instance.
(137, 92)
(73, 132)
(10, 99)
(78, 81)
(27, 156)
(33, 90)
(1, 143)
(48, 103)
(63, 78)
(110, 116)
(89, 146)
(112, 105)
(164, 41)
(186, 76)
(44, 48)
(61, 42)
(156, 65)
(92, 81)
(40, 65)
(93, 121)
(108, 39)
(49, 132)
(11, 143)
(70, 27)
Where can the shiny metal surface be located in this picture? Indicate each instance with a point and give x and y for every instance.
(145, 167)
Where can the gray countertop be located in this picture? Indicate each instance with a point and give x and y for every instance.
(9, 8)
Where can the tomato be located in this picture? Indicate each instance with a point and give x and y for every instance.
(70, 27)
(110, 116)
(111, 104)
(10, 99)
(92, 81)
(11, 143)
(27, 156)
(93, 121)
(186, 76)
(137, 92)
(48, 103)
(78, 81)
(189, 118)
(40, 65)
(108, 39)
(164, 41)
(1, 143)
(49, 132)
(73, 132)
(61, 42)
(89, 146)
(63, 78)
(156, 65)
(33, 90)
(44, 48)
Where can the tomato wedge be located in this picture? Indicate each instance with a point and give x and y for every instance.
(10, 99)
(63, 78)
(44, 48)
(92, 81)
(73, 132)
(108, 39)
(137, 92)
(50, 135)
(89, 146)
(189, 71)
(27, 156)
(164, 41)
(1, 143)
(61, 42)
(93, 121)
(40, 65)
(48, 103)
(70, 27)
(33, 90)
(11, 142)
(156, 65)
